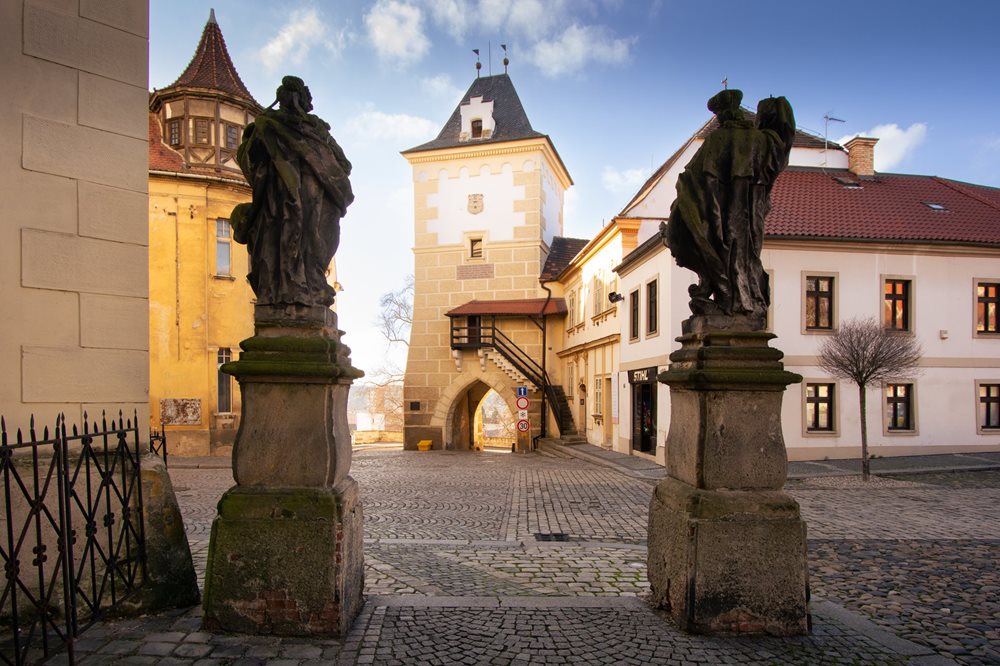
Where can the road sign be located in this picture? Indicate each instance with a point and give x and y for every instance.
(523, 425)
(522, 403)
(522, 391)
(522, 415)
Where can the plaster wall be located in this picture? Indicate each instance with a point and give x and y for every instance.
(193, 311)
(446, 276)
(552, 206)
(73, 240)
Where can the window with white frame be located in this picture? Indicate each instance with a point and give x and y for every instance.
(599, 293)
(819, 303)
(571, 309)
(633, 320)
(988, 407)
(598, 396)
(652, 308)
(820, 407)
(223, 247)
(899, 416)
(898, 304)
(224, 402)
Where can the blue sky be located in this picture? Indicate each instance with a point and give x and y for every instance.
(617, 84)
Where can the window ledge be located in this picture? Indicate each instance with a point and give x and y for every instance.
(821, 433)
(819, 331)
(230, 278)
(601, 317)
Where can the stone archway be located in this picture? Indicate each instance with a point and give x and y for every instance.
(455, 408)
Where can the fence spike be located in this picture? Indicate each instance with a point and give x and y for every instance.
(104, 420)
(31, 426)
(19, 437)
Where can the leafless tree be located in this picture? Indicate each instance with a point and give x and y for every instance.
(865, 353)
(396, 314)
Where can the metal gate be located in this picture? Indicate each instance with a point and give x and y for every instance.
(73, 541)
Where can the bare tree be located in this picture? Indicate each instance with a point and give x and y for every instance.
(865, 353)
(396, 315)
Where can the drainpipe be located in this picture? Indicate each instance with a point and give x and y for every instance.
(545, 331)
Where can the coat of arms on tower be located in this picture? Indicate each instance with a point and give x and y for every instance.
(475, 203)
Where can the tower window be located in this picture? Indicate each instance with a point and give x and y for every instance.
(475, 248)
(232, 136)
(477, 128)
(201, 127)
(174, 132)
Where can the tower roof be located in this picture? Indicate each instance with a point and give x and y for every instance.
(511, 121)
(211, 67)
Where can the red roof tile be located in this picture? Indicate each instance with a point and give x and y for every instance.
(524, 306)
(810, 203)
(211, 67)
(161, 158)
(562, 252)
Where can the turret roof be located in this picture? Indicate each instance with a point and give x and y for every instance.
(211, 67)
(511, 121)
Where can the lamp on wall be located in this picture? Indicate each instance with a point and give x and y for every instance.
(614, 297)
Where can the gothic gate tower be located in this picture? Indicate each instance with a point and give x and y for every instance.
(488, 201)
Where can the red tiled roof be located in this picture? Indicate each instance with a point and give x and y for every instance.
(810, 203)
(211, 67)
(523, 306)
(161, 158)
(560, 254)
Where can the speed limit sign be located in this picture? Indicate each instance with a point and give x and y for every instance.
(523, 425)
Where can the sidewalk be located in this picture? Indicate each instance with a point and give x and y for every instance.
(642, 468)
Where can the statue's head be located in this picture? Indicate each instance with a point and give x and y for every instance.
(294, 96)
(726, 105)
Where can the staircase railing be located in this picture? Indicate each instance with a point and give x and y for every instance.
(488, 336)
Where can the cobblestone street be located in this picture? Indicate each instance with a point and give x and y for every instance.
(500, 559)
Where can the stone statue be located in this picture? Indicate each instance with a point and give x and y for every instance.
(716, 225)
(299, 176)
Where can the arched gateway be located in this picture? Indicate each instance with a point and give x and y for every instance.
(488, 200)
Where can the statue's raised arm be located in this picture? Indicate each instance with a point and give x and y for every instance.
(716, 226)
(301, 190)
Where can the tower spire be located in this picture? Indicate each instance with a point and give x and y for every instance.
(211, 16)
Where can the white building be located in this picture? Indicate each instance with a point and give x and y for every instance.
(918, 252)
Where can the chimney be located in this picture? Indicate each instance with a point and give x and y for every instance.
(861, 155)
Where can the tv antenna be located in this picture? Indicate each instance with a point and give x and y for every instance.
(826, 132)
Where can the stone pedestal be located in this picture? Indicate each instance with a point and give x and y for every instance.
(727, 547)
(286, 554)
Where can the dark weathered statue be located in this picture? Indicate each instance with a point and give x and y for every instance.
(299, 176)
(716, 225)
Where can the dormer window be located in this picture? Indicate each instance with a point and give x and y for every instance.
(477, 119)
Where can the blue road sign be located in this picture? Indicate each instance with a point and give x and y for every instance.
(522, 391)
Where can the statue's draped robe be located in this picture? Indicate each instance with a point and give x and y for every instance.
(716, 226)
(299, 176)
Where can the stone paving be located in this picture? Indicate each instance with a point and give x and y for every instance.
(501, 559)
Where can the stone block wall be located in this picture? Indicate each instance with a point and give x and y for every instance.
(73, 238)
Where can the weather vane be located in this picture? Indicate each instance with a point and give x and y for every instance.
(479, 65)
(506, 61)
(725, 83)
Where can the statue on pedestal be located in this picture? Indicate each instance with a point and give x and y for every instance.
(716, 226)
(727, 546)
(299, 176)
(286, 554)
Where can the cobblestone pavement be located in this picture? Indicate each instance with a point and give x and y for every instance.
(502, 559)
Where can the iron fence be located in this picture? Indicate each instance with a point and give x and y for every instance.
(73, 541)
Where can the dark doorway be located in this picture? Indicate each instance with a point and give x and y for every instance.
(643, 384)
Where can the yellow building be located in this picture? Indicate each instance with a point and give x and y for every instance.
(488, 200)
(200, 303)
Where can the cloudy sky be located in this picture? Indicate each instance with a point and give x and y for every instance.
(617, 84)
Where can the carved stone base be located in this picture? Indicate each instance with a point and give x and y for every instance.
(727, 549)
(728, 561)
(286, 561)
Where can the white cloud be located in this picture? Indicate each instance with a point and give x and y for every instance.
(397, 127)
(626, 181)
(894, 145)
(396, 30)
(304, 30)
(577, 46)
(441, 86)
(452, 15)
(534, 18)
